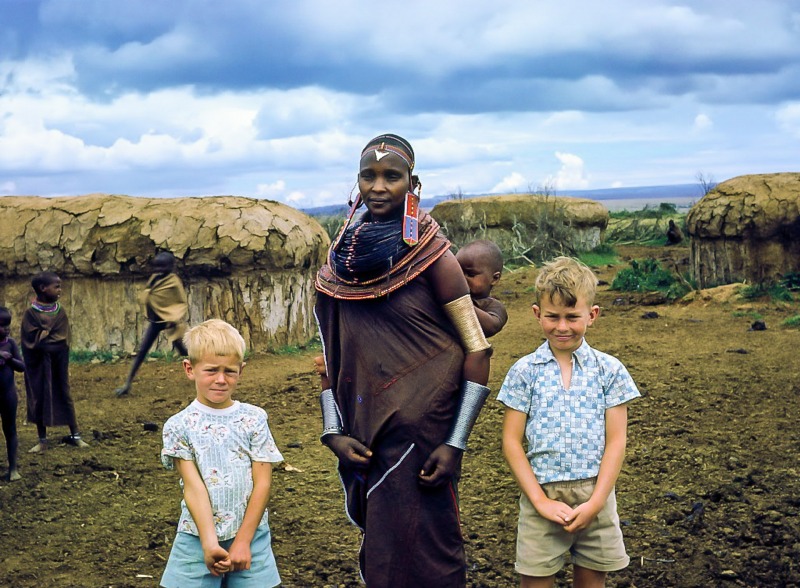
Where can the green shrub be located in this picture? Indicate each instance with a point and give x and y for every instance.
(792, 321)
(331, 224)
(772, 291)
(791, 281)
(647, 275)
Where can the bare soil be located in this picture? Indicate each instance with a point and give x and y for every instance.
(709, 494)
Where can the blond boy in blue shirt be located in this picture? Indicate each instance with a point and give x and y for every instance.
(569, 401)
(223, 451)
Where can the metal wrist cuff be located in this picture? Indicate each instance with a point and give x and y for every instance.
(331, 419)
(473, 396)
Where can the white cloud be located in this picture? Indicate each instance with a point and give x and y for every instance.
(272, 190)
(8, 188)
(571, 176)
(511, 183)
(702, 122)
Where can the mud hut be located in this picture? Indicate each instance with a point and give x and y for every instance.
(520, 222)
(746, 229)
(250, 262)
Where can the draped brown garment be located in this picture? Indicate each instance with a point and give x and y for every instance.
(45, 349)
(166, 302)
(395, 365)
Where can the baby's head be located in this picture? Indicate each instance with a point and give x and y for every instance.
(215, 362)
(564, 281)
(482, 264)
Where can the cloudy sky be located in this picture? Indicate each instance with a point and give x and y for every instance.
(274, 99)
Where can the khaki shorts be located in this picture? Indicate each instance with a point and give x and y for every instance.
(542, 544)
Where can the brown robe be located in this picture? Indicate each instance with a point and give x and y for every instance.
(45, 349)
(395, 365)
(165, 300)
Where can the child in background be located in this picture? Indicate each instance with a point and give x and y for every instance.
(45, 349)
(10, 362)
(166, 305)
(223, 451)
(570, 402)
(482, 264)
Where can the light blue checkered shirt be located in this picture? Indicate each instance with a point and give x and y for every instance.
(565, 429)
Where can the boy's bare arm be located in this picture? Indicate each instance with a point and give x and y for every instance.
(195, 494)
(610, 466)
(513, 433)
(240, 553)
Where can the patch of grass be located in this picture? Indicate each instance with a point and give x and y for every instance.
(313, 345)
(663, 209)
(603, 254)
(777, 292)
(792, 321)
(752, 314)
(81, 356)
(647, 275)
(164, 355)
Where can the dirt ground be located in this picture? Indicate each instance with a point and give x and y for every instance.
(709, 494)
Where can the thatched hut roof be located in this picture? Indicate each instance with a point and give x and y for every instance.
(117, 235)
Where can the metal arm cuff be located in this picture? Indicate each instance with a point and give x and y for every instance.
(473, 396)
(462, 314)
(331, 419)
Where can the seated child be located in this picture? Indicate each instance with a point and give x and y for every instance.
(166, 305)
(570, 403)
(482, 264)
(223, 451)
(10, 362)
(45, 349)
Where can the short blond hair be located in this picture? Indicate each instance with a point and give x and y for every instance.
(564, 280)
(214, 337)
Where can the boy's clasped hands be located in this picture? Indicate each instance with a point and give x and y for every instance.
(572, 519)
(219, 561)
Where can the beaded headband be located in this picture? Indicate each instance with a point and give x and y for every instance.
(383, 144)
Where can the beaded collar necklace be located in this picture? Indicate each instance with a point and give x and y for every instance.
(44, 307)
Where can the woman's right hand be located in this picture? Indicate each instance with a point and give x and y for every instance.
(351, 452)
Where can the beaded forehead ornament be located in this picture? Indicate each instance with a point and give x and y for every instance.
(382, 145)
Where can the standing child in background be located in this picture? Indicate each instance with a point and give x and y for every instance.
(482, 264)
(569, 401)
(10, 362)
(45, 348)
(223, 451)
(166, 305)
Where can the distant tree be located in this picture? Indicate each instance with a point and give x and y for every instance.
(546, 189)
(457, 195)
(706, 181)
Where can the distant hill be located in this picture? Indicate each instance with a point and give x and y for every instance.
(637, 196)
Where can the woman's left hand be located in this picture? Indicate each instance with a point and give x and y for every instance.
(440, 466)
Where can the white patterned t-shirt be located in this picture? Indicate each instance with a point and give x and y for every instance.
(223, 443)
(565, 429)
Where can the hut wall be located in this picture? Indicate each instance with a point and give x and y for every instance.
(270, 310)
